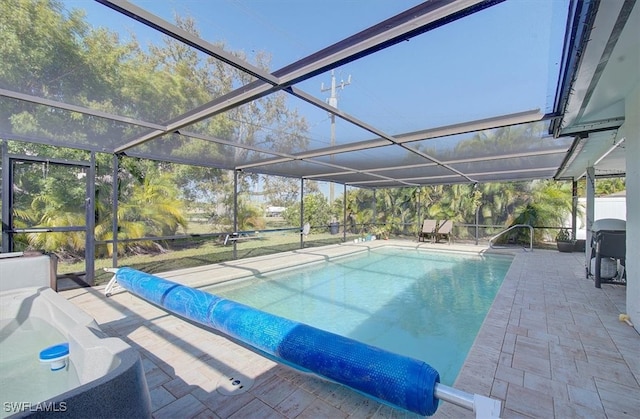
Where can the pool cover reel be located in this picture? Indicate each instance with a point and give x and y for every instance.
(398, 380)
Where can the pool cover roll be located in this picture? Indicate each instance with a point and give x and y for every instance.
(395, 379)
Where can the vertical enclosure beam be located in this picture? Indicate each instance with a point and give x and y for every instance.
(591, 192)
(301, 212)
(418, 212)
(114, 210)
(375, 211)
(574, 208)
(475, 188)
(90, 222)
(7, 199)
(235, 214)
(477, 222)
(344, 213)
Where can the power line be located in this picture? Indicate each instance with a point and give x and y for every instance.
(333, 102)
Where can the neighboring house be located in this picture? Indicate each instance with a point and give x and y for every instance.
(275, 211)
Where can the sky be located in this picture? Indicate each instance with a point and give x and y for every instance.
(502, 60)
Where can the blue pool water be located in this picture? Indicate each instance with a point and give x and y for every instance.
(425, 305)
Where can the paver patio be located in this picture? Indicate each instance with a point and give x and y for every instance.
(551, 346)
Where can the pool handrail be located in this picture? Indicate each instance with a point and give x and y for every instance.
(509, 229)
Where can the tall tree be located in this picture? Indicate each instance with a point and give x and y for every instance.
(54, 53)
(316, 211)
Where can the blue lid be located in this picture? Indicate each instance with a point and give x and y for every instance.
(55, 351)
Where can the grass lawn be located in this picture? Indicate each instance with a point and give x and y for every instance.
(205, 253)
(195, 252)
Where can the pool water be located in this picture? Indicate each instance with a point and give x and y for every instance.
(23, 378)
(425, 305)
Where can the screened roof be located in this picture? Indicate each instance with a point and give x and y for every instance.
(371, 93)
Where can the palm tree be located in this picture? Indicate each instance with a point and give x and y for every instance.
(549, 205)
(250, 217)
(396, 209)
(49, 196)
(147, 207)
(46, 212)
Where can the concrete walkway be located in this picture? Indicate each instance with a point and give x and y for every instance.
(551, 346)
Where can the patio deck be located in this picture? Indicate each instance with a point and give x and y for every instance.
(551, 346)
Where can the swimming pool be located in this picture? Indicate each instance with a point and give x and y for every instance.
(425, 305)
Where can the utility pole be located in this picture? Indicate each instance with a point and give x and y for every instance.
(333, 102)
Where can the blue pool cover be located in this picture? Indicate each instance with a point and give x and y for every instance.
(397, 380)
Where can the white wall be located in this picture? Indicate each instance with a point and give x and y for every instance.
(604, 207)
(631, 132)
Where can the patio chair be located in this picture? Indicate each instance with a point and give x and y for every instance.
(428, 230)
(443, 231)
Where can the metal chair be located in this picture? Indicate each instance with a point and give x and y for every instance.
(444, 231)
(428, 230)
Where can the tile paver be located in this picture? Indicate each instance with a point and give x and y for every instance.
(295, 403)
(274, 391)
(529, 402)
(586, 398)
(187, 406)
(160, 397)
(321, 409)
(551, 346)
(257, 409)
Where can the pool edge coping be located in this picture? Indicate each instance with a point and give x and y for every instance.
(241, 268)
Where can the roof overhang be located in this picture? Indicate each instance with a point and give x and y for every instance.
(602, 66)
